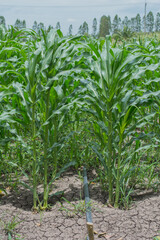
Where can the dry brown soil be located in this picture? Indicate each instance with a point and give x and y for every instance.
(66, 220)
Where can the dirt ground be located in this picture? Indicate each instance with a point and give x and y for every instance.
(66, 220)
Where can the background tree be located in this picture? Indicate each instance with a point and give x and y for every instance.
(58, 26)
(133, 24)
(24, 24)
(70, 30)
(85, 28)
(80, 30)
(49, 28)
(116, 25)
(138, 23)
(20, 24)
(94, 27)
(35, 27)
(105, 26)
(17, 24)
(126, 33)
(150, 22)
(125, 22)
(157, 22)
(2, 21)
(40, 27)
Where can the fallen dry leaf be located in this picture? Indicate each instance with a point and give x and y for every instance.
(109, 205)
(38, 224)
(101, 234)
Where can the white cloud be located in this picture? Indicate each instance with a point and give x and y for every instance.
(71, 20)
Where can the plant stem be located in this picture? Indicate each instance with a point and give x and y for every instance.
(118, 175)
(34, 158)
(55, 141)
(46, 191)
(109, 163)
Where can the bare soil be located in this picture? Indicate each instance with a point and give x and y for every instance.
(67, 221)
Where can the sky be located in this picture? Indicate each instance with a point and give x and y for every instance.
(73, 12)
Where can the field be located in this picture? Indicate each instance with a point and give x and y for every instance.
(66, 220)
(69, 102)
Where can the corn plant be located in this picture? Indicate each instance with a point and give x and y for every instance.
(43, 99)
(150, 73)
(55, 67)
(7, 134)
(112, 103)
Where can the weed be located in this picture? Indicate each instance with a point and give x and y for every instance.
(9, 228)
(41, 217)
(74, 208)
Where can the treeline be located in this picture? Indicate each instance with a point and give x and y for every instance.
(149, 24)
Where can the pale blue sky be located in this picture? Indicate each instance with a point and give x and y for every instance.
(73, 12)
